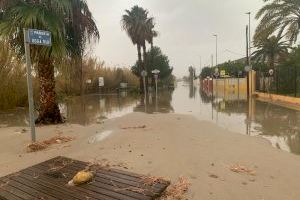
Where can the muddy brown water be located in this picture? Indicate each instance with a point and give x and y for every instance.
(279, 125)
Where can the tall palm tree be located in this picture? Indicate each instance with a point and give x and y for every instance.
(270, 50)
(138, 26)
(55, 16)
(132, 23)
(282, 16)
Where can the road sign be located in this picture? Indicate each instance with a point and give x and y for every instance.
(222, 73)
(156, 71)
(144, 73)
(101, 81)
(248, 68)
(39, 37)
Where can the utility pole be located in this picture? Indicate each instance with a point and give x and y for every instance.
(250, 72)
(216, 49)
(247, 45)
(249, 28)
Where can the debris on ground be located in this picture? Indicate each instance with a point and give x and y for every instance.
(213, 176)
(134, 127)
(152, 180)
(95, 165)
(177, 191)
(242, 169)
(82, 177)
(21, 131)
(38, 146)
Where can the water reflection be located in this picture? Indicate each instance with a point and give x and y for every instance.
(95, 108)
(279, 125)
(230, 110)
(153, 104)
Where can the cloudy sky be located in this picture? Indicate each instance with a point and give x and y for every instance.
(185, 26)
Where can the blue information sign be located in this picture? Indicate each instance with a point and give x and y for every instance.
(39, 37)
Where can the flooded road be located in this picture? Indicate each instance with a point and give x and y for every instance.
(279, 125)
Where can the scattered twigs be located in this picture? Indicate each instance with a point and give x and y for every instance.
(152, 180)
(38, 146)
(242, 169)
(134, 127)
(177, 190)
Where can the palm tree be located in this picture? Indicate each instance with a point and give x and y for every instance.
(270, 50)
(57, 16)
(139, 28)
(132, 23)
(279, 15)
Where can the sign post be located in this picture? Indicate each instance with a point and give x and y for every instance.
(156, 72)
(35, 37)
(144, 74)
(101, 83)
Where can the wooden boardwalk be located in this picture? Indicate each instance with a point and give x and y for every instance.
(48, 181)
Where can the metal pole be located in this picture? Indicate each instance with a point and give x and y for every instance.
(29, 86)
(156, 85)
(247, 46)
(250, 39)
(216, 49)
(250, 74)
(145, 92)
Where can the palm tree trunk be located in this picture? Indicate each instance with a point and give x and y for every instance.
(140, 67)
(49, 111)
(145, 63)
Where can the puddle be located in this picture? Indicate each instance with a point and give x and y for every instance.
(99, 137)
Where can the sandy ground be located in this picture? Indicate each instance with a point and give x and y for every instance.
(170, 146)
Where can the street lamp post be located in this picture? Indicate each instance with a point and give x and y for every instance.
(144, 74)
(250, 72)
(249, 14)
(216, 49)
(155, 73)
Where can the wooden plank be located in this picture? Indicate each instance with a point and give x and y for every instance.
(158, 187)
(36, 182)
(107, 184)
(40, 188)
(76, 190)
(96, 187)
(29, 190)
(6, 193)
(122, 174)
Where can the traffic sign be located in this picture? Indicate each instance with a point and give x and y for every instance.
(101, 81)
(248, 68)
(156, 71)
(222, 73)
(144, 73)
(39, 37)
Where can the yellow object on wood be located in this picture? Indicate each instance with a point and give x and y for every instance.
(81, 178)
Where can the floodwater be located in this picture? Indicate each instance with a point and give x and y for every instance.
(279, 125)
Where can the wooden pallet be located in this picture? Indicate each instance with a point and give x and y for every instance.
(48, 181)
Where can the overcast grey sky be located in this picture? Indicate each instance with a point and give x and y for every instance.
(185, 26)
